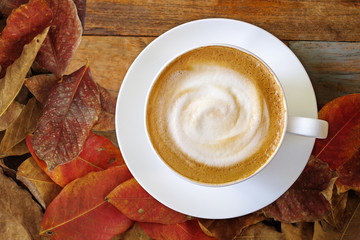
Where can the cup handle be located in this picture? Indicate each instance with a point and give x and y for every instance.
(309, 127)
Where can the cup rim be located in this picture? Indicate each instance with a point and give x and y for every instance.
(224, 184)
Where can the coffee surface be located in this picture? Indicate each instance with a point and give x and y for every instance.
(215, 114)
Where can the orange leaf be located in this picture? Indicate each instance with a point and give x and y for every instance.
(132, 200)
(98, 154)
(343, 116)
(349, 174)
(81, 212)
(189, 230)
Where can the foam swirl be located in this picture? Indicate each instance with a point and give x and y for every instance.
(217, 116)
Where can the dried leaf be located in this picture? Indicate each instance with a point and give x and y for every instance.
(23, 25)
(40, 86)
(81, 212)
(304, 200)
(226, 229)
(98, 154)
(349, 174)
(260, 231)
(133, 201)
(20, 216)
(20, 128)
(11, 84)
(298, 231)
(343, 116)
(6, 6)
(10, 115)
(347, 224)
(134, 233)
(189, 230)
(72, 109)
(111, 135)
(40, 185)
(81, 10)
(106, 120)
(63, 39)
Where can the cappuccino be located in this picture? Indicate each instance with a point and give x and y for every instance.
(216, 115)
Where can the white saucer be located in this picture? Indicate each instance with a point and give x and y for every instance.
(176, 192)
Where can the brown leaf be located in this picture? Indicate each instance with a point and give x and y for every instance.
(40, 185)
(81, 10)
(349, 174)
(63, 39)
(338, 213)
(10, 115)
(106, 120)
(226, 229)
(20, 128)
(135, 203)
(72, 109)
(20, 216)
(349, 227)
(298, 231)
(11, 84)
(260, 231)
(40, 86)
(134, 233)
(305, 201)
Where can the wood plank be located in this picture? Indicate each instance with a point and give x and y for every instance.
(325, 20)
(333, 67)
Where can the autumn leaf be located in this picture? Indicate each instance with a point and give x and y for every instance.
(134, 233)
(305, 201)
(11, 84)
(63, 39)
(106, 120)
(72, 109)
(81, 10)
(17, 131)
(39, 184)
(40, 85)
(133, 201)
(226, 229)
(20, 215)
(343, 116)
(260, 231)
(98, 154)
(23, 25)
(349, 174)
(189, 230)
(81, 212)
(10, 115)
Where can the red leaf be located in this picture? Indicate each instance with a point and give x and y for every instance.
(81, 10)
(343, 116)
(304, 200)
(98, 154)
(132, 200)
(63, 39)
(72, 109)
(189, 230)
(349, 174)
(23, 24)
(80, 211)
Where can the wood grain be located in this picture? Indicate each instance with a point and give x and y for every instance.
(333, 67)
(325, 20)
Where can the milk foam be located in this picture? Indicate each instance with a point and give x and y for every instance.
(215, 115)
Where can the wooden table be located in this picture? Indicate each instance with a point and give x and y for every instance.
(324, 34)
